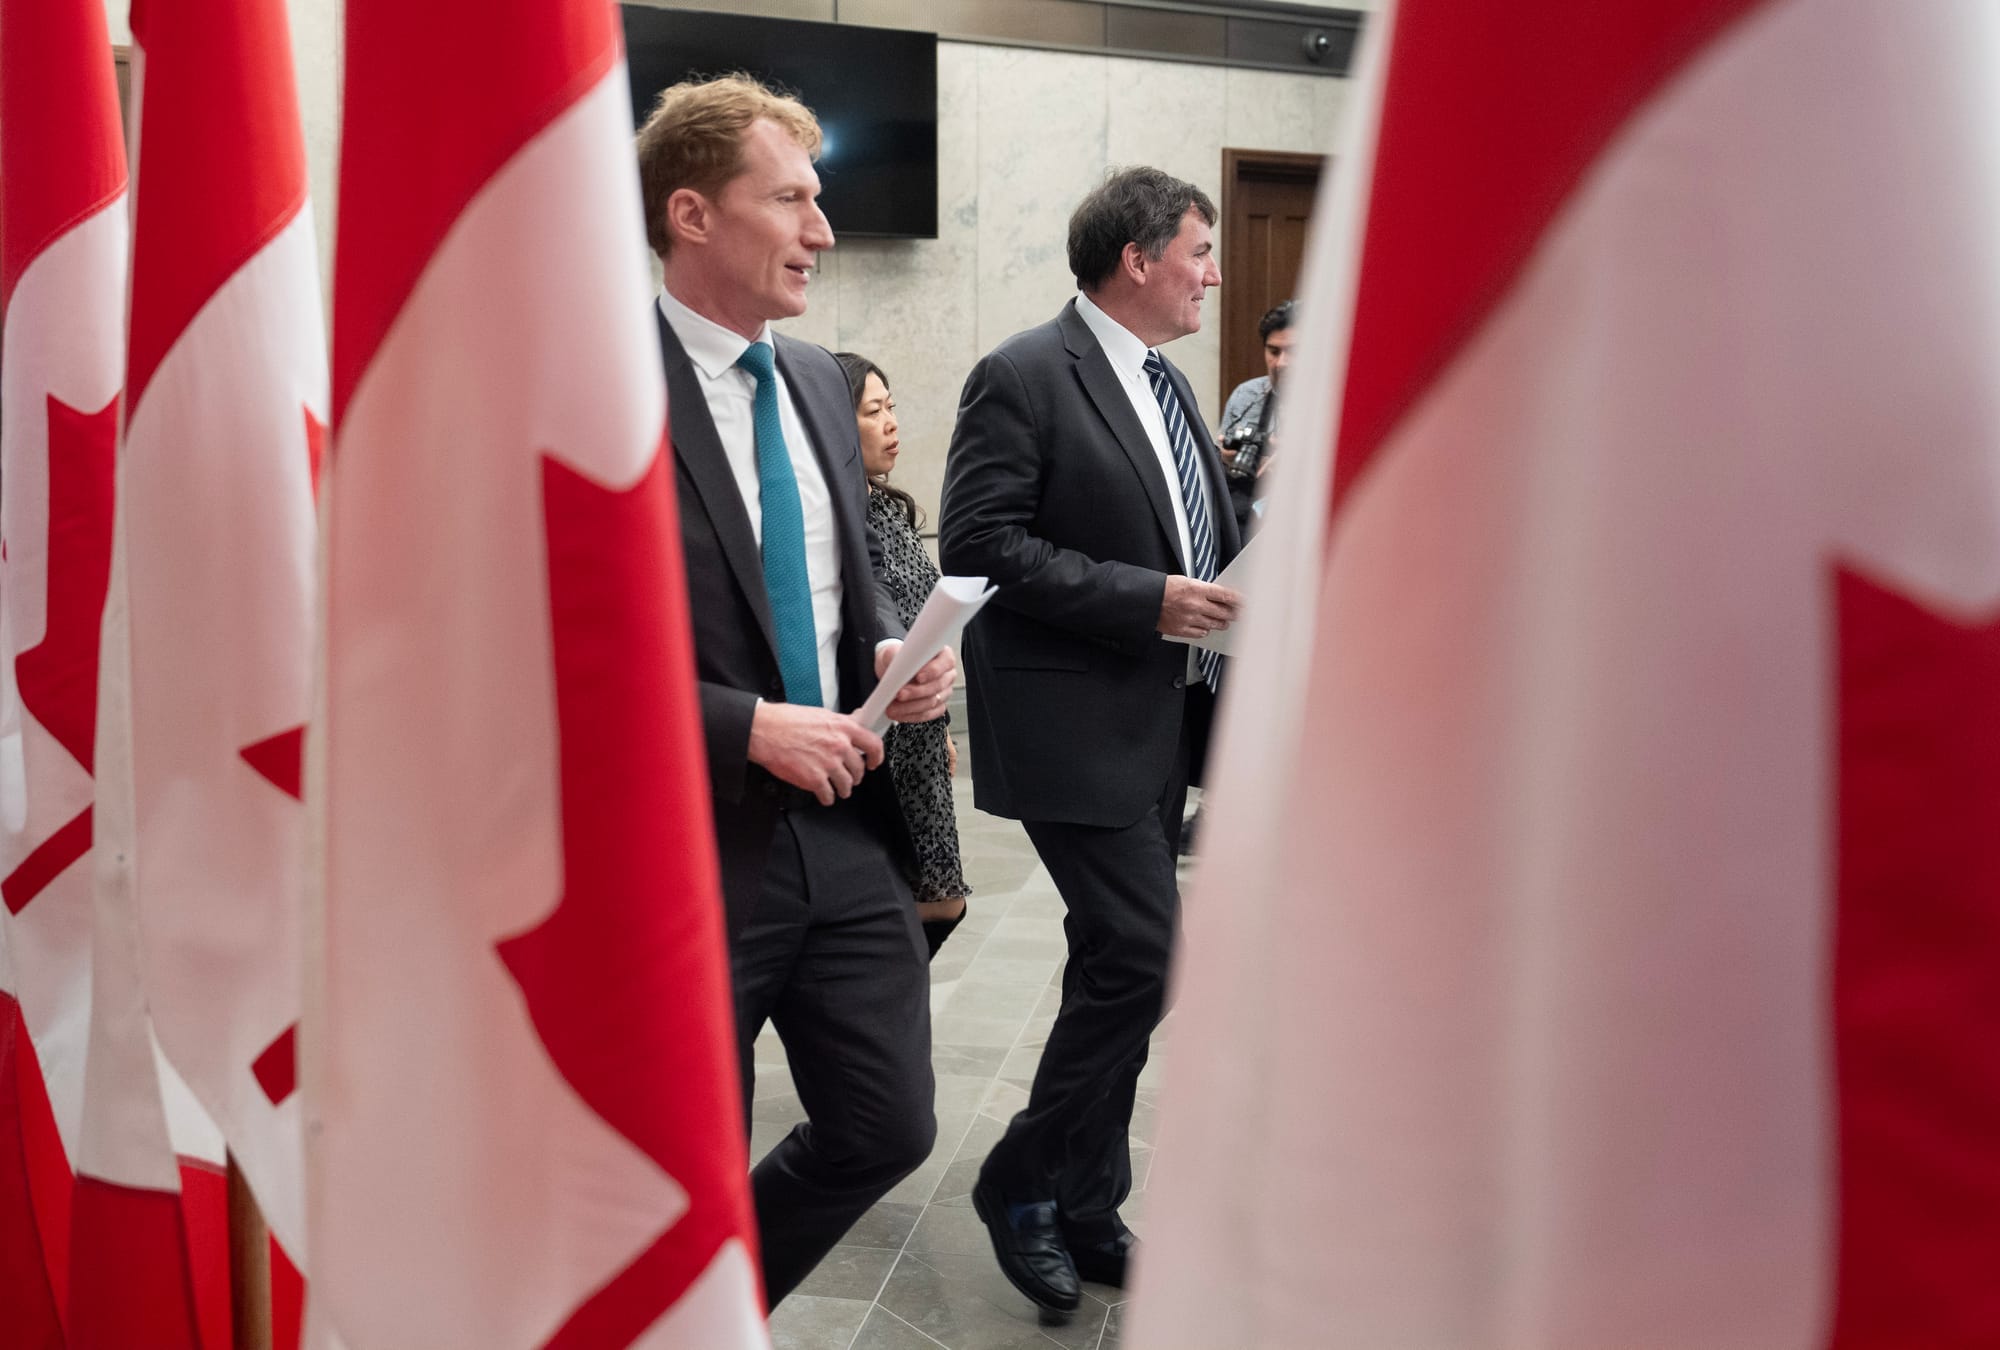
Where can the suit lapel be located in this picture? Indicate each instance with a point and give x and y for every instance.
(699, 451)
(811, 402)
(1101, 382)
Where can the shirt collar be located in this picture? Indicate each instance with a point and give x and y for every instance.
(1120, 343)
(713, 348)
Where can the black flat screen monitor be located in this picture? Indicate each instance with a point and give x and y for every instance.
(873, 89)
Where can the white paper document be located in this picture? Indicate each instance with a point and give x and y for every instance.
(1237, 576)
(953, 602)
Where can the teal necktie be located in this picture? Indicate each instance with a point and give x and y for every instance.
(785, 578)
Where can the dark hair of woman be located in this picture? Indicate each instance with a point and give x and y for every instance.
(858, 368)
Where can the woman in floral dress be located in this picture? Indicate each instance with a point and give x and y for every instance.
(922, 757)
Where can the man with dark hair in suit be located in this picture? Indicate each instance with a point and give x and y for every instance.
(1081, 480)
(791, 629)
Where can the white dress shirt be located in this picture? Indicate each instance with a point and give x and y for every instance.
(1128, 362)
(730, 393)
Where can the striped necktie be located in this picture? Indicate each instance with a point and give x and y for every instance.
(784, 544)
(1201, 540)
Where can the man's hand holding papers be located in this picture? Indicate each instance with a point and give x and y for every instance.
(916, 676)
(1205, 602)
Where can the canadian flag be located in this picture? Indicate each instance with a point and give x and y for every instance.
(225, 405)
(62, 355)
(1607, 948)
(518, 1066)
(142, 1235)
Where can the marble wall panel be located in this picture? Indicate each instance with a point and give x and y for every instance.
(1329, 113)
(1270, 110)
(1168, 115)
(910, 310)
(1041, 147)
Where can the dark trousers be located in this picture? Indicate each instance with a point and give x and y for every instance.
(832, 955)
(1070, 1143)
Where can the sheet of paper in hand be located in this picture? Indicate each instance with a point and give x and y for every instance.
(953, 602)
(1238, 576)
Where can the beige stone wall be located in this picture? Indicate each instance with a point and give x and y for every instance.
(1021, 136)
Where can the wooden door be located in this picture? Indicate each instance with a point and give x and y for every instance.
(1267, 197)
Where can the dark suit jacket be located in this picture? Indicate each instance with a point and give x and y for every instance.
(1053, 491)
(736, 657)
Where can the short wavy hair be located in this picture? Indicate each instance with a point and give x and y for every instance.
(694, 139)
(1131, 206)
(1276, 319)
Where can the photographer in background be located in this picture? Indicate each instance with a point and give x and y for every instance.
(1248, 416)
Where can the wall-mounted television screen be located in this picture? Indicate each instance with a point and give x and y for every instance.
(873, 89)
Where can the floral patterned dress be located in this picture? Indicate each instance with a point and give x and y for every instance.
(917, 751)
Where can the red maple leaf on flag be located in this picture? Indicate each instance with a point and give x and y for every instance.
(58, 675)
(626, 981)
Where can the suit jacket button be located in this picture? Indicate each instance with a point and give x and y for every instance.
(1180, 681)
(778, 686)
(770, 789)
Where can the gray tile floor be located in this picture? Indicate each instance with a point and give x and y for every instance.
(917, 1272)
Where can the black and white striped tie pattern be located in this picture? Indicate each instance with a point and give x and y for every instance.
(1201, 540)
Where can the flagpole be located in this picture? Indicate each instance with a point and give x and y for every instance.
(249, 1266)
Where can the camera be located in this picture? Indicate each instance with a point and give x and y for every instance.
(1249, 441)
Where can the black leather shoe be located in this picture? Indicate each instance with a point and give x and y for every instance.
(1029, 1248)
(1104, 1262)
